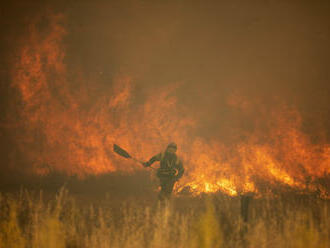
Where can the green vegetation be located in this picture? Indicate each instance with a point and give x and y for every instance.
(45, 221)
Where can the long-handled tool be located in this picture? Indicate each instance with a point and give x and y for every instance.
(120, 151)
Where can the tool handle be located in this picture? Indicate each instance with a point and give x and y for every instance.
(137, 160)
(141, 162)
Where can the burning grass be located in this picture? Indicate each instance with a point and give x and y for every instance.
(42, 220)
(68, 122)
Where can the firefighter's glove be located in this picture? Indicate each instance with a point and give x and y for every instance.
(145, 164)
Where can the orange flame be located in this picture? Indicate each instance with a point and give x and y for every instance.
(69, 131)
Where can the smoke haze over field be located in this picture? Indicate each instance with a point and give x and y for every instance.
(215, 74)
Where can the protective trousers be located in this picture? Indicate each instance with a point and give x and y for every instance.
(166, 187)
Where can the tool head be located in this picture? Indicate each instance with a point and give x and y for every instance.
(117, 149)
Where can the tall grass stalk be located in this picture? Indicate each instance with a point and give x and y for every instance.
(30, 220)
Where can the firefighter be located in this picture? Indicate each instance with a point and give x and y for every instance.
(170, 171)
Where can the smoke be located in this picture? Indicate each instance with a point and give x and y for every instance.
(211, 76)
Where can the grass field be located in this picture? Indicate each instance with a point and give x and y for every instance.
(45, 220)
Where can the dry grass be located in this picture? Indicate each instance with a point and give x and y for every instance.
(29, 220)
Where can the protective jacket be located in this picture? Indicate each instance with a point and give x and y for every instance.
(170, 166)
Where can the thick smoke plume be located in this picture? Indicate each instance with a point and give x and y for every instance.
(246, 102)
